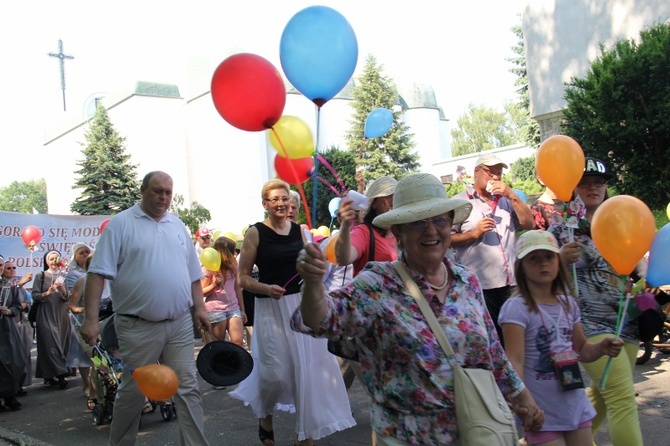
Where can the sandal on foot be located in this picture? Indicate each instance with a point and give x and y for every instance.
(148, 408)
(91, 402)
(266, 437)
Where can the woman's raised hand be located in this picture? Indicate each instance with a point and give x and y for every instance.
(311, 263)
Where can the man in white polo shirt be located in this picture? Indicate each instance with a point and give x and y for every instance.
(147, 254)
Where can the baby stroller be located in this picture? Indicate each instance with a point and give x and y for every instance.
(107, 371)
(108, 374)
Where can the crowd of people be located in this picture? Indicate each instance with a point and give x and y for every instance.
(496, 272)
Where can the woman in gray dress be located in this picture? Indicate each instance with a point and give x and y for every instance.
(12, 363)
(25, 342)
(53, 322)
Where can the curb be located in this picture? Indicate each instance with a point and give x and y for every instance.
(8, 437)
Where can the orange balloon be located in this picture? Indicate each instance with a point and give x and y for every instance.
(156, 381)
(560, 165)
(330, 250)
(623, 228)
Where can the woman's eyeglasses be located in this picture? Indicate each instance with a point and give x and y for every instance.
(440, 223)
(586, 184)
(276, 200)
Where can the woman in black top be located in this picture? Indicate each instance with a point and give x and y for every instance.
(291, 371)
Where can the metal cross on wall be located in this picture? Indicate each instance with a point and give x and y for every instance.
(62, 56)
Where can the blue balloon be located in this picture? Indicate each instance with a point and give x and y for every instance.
(378, 123)
(521, 194)
(318, 52)
(658, 271)
(333, 206)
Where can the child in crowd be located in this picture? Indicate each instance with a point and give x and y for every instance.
(544, 340)
(223, 297)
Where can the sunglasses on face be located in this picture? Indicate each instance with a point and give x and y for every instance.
(440, 223)
(491, 173)
(10, 267)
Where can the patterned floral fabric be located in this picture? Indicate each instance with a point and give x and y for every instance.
(543, 213)
(599, 288)
(404, 368)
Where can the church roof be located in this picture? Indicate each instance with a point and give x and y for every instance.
(155, 89)
(416, 95)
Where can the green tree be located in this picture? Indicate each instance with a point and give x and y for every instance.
(619, 113)
(193, 217)
(391, 154)
(344, 164)
(24, 196)
(523, 169)
(528, 127)
(483, 128)
(108, 181)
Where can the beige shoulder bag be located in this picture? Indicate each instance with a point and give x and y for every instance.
(482, 414)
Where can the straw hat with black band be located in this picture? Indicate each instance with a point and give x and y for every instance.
(420, 196)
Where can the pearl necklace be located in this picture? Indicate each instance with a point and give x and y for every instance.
(446, 280)
(436, 287)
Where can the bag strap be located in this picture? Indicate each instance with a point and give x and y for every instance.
(427, 311)
(371, 247)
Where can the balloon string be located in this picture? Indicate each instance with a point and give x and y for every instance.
(337, 193)
(360, 152)
(620, 322)
(337, 177)
(330, 226)
(290, 280)
(315, 184)
(295, 174)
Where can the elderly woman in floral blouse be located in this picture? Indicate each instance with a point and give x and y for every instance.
(403, 366)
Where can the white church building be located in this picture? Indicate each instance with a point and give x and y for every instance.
(212, 162)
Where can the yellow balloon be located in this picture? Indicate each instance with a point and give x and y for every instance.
(667, 211)
(323, 230)
(230, 235)
(294, 135)
(210, 259)
(216, 235)
(623, 228)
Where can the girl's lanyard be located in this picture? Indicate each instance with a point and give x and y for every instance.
(557, 324)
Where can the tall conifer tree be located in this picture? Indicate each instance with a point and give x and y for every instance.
(391, 154)
(108, 182)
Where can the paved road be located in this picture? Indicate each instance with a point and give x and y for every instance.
(60, 418)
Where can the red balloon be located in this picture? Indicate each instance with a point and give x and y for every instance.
(103, 225)
(294, 171)
(31, 235)
(248, 92)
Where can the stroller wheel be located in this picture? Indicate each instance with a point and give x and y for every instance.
(98, 414)
(167, 412)
(647, 349)
(109, 411)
